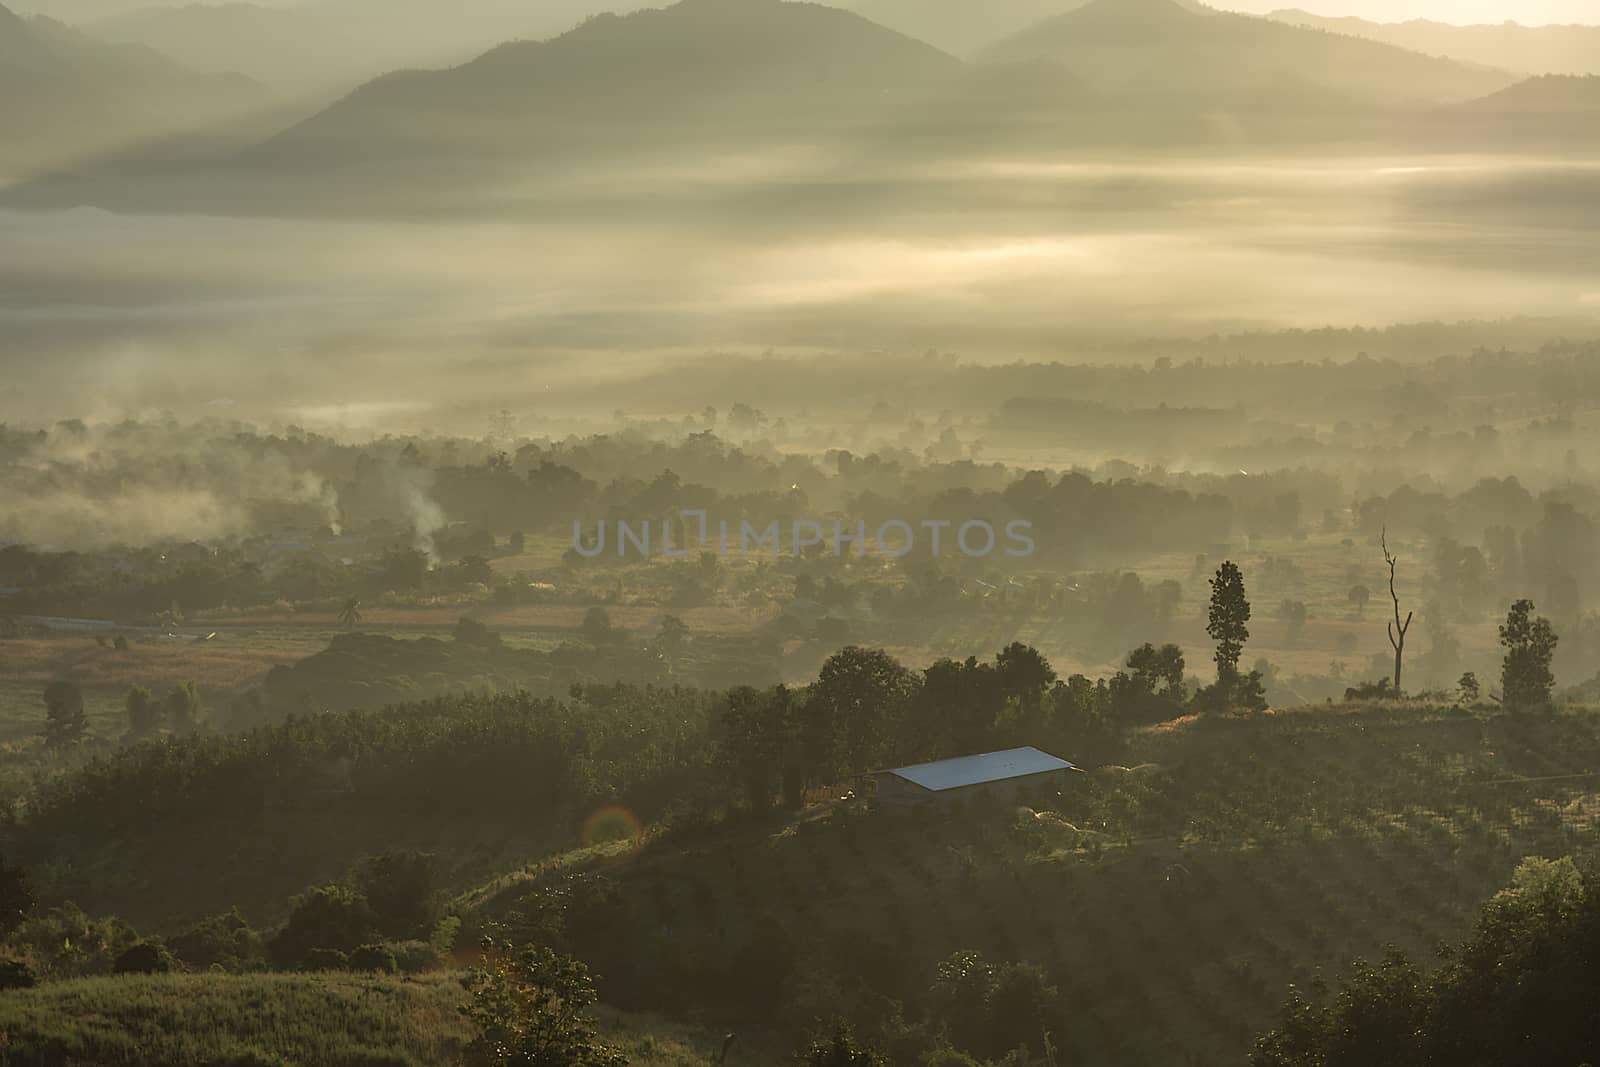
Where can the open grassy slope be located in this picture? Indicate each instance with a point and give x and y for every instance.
(331, 1020)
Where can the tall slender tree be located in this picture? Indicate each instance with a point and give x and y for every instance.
(1230, 611)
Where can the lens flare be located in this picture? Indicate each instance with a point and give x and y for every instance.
(613, 823)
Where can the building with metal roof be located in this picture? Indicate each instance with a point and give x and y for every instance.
(1015, 774)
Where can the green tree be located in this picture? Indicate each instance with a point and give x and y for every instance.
(405, 569)
(672, 636)
(961, 998)
(184, 710)
(65, 723)
(405, 892)
(530, 1006)
(758, 740)
(597, 629)
(1359, 595)
(1468, 688)
(1520, 989)
(1225, 624)
(144, 957)
(324, 922)
(1022, 1009)
(858, 693)
(227, 941)
(379, 958)
(1023, 675)
(16, 897)
(1293, 613)
(1525, 677)
(839, 1048)
(473, 632)
(475, 570)
(1151, 689)
(350, 613)
(144, 713)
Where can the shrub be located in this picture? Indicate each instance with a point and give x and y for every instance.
(146, 957)
(324, 959)
(330, 918)
(414, 956)
(378, 958)
(16, 974)
(225, 940)
(402, 889)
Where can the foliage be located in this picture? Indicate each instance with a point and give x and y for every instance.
(1226, 619)
(378, 958)
(16, 974)
(16, 897)
(858, 698)
(330, 918)
(185, 711)
(226, 941)
(143, 957)
(1519, 989)
(1152, 687)
(989, 1010)
(473, 632)
(404, 891)
(597, 628)
(1530, 644)
(839, 1049)
(530, 1006)
(65, 722)
(144, 713)
(272, 1020)
(66, 942)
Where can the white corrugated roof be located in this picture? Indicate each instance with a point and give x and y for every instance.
(973, 770)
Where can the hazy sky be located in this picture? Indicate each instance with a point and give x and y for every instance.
(1527, 12)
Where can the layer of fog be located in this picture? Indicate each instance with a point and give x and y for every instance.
(103, 314)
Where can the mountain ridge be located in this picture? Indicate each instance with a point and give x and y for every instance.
(1116, 43)
(1556, 49)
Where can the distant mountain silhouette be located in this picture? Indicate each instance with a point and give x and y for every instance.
(1529, 49)
(1551, 111)
(700, 70)
(1159, 49)
(67, 94)
(327, 44)
(965, 26)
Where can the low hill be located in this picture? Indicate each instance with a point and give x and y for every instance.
(84, 96)
(1551, 112)
(1173, 890)
(1506, 45)
(1159, 49)
(1170, 898)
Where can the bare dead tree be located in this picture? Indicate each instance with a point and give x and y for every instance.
(1397, 629)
